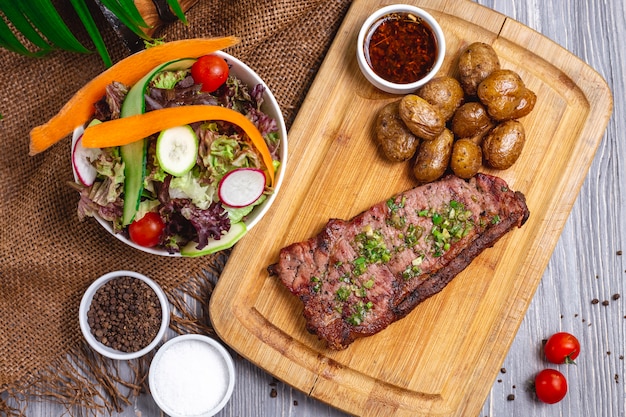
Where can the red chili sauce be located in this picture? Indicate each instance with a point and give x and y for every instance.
(401, 48)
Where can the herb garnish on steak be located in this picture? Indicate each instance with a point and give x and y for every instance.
(356, 277)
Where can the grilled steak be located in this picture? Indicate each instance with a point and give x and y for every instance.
(356, 277)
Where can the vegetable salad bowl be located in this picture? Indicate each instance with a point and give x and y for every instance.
(227, 238)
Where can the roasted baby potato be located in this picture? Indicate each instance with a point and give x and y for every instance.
(475, 64)
(433, 157)
(504, 144)
(506, 97)
(466, 159)
(422, 118)
(471, 120)
(395, 139)
(443, 92)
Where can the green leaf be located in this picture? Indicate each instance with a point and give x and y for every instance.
(131, 10)
(124, 12)
(44, 17)
(23, 26)
(39, 24)
(178, 10)
(10, 42)
(90, 25)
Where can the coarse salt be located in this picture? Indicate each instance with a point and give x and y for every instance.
(190, 378)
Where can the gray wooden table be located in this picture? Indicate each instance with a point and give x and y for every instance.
(587, 263)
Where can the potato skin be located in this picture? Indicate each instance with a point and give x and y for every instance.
(443, 92)
(471, 120)
(504, 144)
(506, 97)
(466, 159)
(396, 141)
(422, 118)
(433, 157)
(476, 62)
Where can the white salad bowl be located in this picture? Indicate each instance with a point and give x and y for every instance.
(270, 107)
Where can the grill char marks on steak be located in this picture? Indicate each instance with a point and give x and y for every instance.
(356, 277)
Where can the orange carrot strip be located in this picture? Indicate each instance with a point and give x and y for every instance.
(79, 108)
(130, 129)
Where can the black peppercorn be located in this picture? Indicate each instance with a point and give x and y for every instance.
(125, 314)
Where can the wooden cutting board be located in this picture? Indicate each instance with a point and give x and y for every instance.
(441, 359)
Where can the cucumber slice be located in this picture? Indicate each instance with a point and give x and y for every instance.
(235, 233)
(134, 155)
(177, 150)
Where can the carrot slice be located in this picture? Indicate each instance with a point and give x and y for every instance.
(130, 129)
(79, 108)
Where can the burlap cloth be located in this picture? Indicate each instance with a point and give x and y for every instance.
(48, 257)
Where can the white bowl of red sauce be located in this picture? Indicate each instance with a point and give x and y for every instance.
(400, 48)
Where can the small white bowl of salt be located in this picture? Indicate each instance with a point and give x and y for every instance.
(191, 375)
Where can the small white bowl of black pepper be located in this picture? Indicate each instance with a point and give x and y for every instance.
(124, 315)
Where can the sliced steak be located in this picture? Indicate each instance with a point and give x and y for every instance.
(356, 277)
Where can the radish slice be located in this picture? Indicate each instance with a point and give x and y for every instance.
(242, 187)
(82, 159)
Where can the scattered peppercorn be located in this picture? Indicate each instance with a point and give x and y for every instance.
(295, 403)
(273, 393)
(510, 397)
(615, 296)
(503, 370)
(125, 314)
(619, 253)
(605, 303)
(595, 301)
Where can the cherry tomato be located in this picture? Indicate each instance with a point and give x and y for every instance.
(562, 348)
(550, 386)
(147, 230)
(211, 71)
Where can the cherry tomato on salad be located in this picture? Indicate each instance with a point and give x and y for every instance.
(211, 71)
(562, 347)
(550, 386)
(147, 230)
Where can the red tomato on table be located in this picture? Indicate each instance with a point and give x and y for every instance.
(550, 386)
(211, 71)
(147, 230)
(562, 348)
